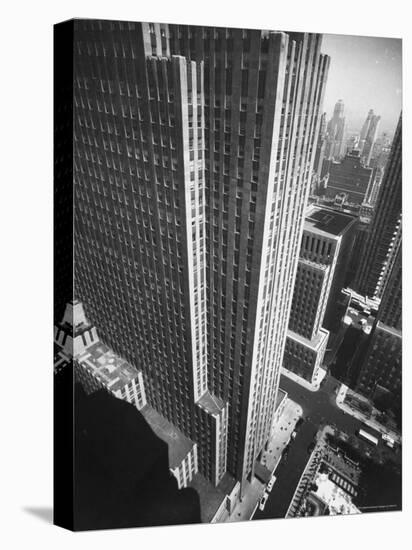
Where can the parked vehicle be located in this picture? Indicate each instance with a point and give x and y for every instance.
(263, 501)
(368, 437)
(389, 441)
(271, 483)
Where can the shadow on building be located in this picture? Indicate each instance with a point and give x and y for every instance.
(121, 473)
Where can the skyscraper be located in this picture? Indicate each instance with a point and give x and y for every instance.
(380, 377)
(193, 159)
(376, 259)
(381, 151)
(365, 127)
(374, 185)
(368, 136)
(319, 156)
(319, 252)
(335, 133)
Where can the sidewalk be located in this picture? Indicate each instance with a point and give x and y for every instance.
(270, 459)
(314, 386)
(245, 508)
(368, 420)
(283, 431)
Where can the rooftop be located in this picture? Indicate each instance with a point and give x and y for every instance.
(337, 500)
(317, 266)
(178, 444)
(386, 328)
(262, 473)
(327, 221)
(313, 344)
(112, 371)
(211, 403)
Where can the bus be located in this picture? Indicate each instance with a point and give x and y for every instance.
(368, 437)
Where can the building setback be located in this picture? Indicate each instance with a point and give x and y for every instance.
(193, 160)
(385, 230)
(320, 249)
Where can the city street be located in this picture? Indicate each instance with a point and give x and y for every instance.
(318, 408)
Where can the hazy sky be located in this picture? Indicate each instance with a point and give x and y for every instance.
(365, 72)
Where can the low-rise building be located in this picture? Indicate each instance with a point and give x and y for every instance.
(97, 367)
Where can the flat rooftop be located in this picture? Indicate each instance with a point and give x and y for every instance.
(391, 330)
(112, 371)
(178, 444)
(211, 403)
(317, 266)
(311, 344)
(327, 221)
(333, 496)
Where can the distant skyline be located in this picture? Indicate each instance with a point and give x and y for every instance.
(366, 73)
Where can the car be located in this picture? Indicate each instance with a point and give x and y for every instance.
(271, 483)
(263, 500)
(388, 439)
(293, 435)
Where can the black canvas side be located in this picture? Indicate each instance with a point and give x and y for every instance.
(63, 266)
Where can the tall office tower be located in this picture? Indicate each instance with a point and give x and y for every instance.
(361, 232)
(338, 300)
(372, 192)
(335, 133)
(348, 178)
(385, 228)
(319, 252)
(193, 158)
(368, 136)
(321, 145)
(365, 127)
(380, 377)
(381, 150)
(319, 156)
(370, 140)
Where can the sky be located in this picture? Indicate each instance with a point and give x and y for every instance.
(366, 73)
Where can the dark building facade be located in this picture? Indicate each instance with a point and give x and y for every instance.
(320, 147)
(385, 230)
(348, 178)
(193, 159)
(338, 301)
(321, 249)
(380, 377)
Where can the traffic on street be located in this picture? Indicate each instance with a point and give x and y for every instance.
(319, 408)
